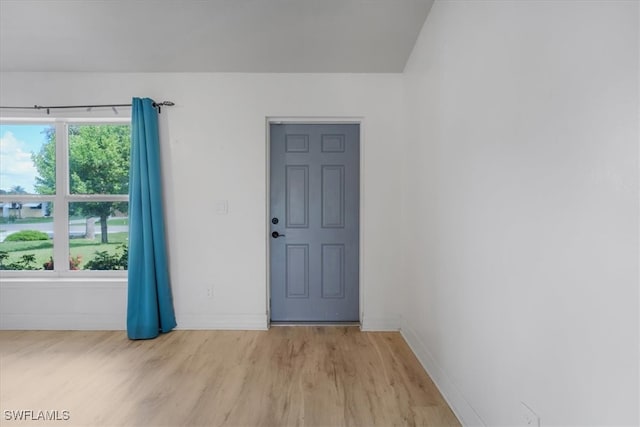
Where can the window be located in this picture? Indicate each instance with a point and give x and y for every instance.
(64, 196)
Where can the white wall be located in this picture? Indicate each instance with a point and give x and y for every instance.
(521, 207)
(214, 148)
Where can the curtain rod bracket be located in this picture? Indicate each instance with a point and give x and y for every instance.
(159, 105)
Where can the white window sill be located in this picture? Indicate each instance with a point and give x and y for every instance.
(62, 280)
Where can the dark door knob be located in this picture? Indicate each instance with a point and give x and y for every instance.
(275, 235)
(274, 220)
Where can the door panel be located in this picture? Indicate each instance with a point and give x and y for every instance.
(297, 197)
(314, 208)
(333, 196)
(333, 271)
(297, 268)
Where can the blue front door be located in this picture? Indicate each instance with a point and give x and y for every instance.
(314, 219)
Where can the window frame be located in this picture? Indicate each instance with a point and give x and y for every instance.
(62, 198)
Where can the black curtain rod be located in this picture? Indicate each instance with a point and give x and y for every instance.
(157, 105)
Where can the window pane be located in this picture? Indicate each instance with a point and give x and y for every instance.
(98, 234)
(27, 159)
(26, 233)
(99, 159)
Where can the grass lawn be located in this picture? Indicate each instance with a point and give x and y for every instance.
(43, 249)
(117, 221)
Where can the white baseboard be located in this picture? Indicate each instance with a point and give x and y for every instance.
(223, 321)
(111, 322)
(63, 322)
(459, 405)
(374, 324)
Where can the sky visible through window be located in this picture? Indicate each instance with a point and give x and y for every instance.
(17, 142)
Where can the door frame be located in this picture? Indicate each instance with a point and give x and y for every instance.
(313, 120)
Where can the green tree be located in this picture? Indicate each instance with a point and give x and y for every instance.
(98, 164)
(45, 162)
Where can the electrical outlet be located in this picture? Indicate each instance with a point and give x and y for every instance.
(529, 418)
(210, 292)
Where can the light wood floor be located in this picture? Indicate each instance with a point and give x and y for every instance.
(307, 376)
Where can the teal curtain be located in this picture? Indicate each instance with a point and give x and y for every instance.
(149, 304)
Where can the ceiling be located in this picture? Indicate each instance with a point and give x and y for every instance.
(334, 36)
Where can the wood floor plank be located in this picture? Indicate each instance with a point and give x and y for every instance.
(286, 376)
